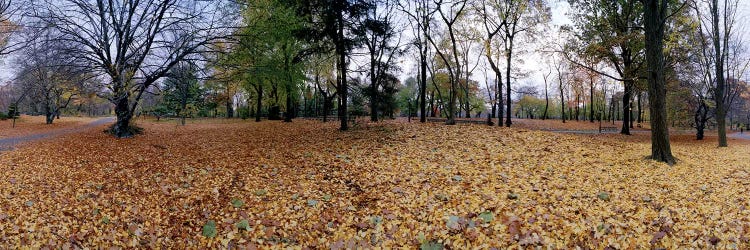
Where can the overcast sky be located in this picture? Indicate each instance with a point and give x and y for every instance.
(532, 64)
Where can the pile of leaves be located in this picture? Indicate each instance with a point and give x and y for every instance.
(307, 185)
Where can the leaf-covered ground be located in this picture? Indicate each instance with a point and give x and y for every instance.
(26, 125)
(387, 185)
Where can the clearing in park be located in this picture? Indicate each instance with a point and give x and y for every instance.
(230, 183)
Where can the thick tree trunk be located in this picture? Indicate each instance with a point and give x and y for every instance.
(654, 15)
(721, 112)
(49, 115)
(122, 127)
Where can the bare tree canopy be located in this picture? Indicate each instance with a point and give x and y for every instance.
(11, 19)
(133, 43)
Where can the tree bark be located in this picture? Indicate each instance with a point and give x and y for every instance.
(721, 112)
(122, 127)
(423, 85)
(343, 88)
(49, 115)
(654, 18)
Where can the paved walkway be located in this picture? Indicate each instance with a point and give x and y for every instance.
(736, 135)
(745, 135)
(10, 142)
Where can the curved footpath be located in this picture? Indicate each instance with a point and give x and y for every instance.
(10, 142)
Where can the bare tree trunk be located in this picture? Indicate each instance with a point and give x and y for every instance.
(343, 88)
(122, 127)
(423, 85)
(49, 114)
(654, 18)
(49, 118)
(721, 110)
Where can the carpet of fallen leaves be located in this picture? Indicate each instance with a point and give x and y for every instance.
(306, 185)
(26, 125)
